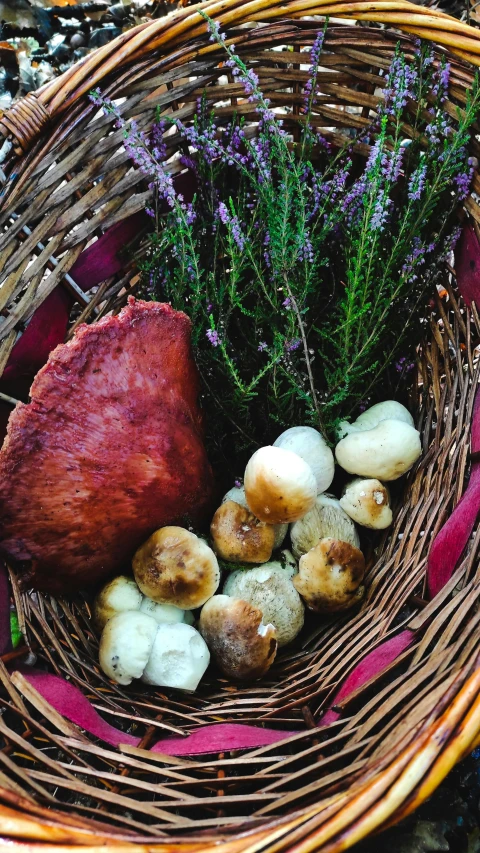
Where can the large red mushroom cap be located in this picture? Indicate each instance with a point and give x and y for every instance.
(108, 450)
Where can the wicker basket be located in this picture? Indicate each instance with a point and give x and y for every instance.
(395, 735)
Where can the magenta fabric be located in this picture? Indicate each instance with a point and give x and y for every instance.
(370, 666)
(48, 326)
(46, 330)
(221, 737)
(70, 702)
(102, 259)
(467, 265)
(450, 542)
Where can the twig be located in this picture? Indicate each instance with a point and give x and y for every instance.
(305, 349)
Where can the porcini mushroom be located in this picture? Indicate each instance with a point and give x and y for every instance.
(237, 494)
(368, 503)
(307, 443)
(241, 644)
(125, 645)
(387, 410)
(176, 567)
(325, 519)
(270, 588)
(385, 452)
(330, 576)
(279, 485)
(239, 537)
(117, 596)
(179, 658)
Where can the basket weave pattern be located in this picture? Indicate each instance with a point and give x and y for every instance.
(67, 180)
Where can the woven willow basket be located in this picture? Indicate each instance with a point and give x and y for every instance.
(67, 180)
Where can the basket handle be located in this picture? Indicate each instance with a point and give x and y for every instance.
(30, 116)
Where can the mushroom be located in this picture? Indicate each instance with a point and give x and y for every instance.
(239, 537)
(325, 519)
(279, 485)
(237, 494)
(243, 647)
(176, 567)
(125, 645)
(330, 576)
(163, 613)
(179, 658)
(386, 451)
(368, 503)
(387, 410)
(118, 595)
(307, 443)
(270, 588)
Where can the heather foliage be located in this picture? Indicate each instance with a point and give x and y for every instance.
(303, 268)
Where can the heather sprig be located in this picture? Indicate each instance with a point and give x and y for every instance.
(302, 268)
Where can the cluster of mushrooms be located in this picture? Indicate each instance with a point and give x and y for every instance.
(147, 622)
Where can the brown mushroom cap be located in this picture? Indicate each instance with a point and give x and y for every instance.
(176, 567)
(330, 576)
(242, 646)
(238, 536)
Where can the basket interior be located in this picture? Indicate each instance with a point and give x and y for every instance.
(73, 187)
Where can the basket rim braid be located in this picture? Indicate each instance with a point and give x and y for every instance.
(360, 754)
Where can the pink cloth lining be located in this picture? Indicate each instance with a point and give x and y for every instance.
(70, 702)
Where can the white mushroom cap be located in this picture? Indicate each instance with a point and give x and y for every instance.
(387, 410)
(239, 537)
(242, 645)
(179, 657)
(162, 613)
(279, 485)
(118, 595)
(125, 645)
(307, 443)
(325, 519)
(237, 494)
(368, 503)
(176, 567)
(270, 588)
(386, 452)
(330, 576)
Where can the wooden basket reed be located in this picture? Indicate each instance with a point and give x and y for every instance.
(66, 180)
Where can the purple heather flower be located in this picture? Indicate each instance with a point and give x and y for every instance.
(262, 346)
(441, 79)
(404, 366)
(232, 224)
(149, 211)
(287, 303)
(223, 213)
(380, 211)
(212, 336)
(294, 344)
(215, 34)
(311, 84)
(416, 183)
(400, 80)
(463, 181)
